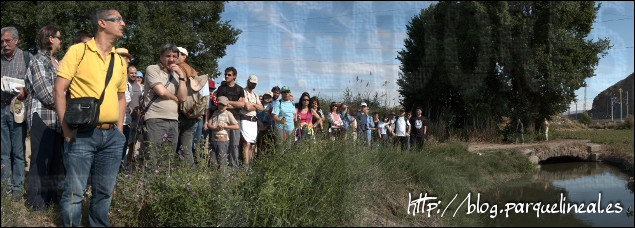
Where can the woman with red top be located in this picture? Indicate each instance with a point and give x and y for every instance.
(305, 117)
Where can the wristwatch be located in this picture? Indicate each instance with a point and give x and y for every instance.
(182, 79)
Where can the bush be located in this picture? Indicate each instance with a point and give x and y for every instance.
(628, 123)
(585, 118)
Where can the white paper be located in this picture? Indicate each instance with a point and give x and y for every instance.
(10, 84)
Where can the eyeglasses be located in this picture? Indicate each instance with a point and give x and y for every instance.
(305, 100)
(7, 40)
(114, 19)
(58, 37)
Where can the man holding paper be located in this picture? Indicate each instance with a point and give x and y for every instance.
(14, 66)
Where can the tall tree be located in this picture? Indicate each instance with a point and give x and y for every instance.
(478, 60)
(196, 26)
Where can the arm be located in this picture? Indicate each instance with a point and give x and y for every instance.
(122, 108)
(61, 85)
(163, 93)
(316, 116)
(42, 92)
(253, 107)
(240, 103)
(232, 127)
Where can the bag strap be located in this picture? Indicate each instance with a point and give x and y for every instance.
(26, 59)
(143, 112)
(108, 77)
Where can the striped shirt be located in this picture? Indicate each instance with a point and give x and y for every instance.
(14, 68)
(39, 81)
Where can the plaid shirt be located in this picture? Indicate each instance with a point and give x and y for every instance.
(39, 83)
(14, 68)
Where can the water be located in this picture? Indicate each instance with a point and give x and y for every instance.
(579, 182)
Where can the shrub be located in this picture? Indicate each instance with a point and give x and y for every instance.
(585, 118)
(628, 123)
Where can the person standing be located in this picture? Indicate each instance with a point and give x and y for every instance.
(547, 129)
(165, 89)
(219, 123)
(265, 131)
(420, 125)
(284, 114)
(95, 151)
(187, 125)
(401, 129)
(249, 121)
(383, 130)
(520, 129)
(127, 119)
(365, 123)
(236, 96)
(335, 122)
(46, 134)
(135, 91)
(14, 65)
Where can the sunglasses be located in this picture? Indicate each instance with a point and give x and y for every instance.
(114, 19)
(58, 37)
(305, 100)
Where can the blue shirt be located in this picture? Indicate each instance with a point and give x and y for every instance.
(265, 118)
(365, 122)
(284, 109)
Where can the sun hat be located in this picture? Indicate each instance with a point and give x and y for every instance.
(364, 104)
(182, 50)
(139, 74)
(17, 108)
(223, 100)
(123, 52)
(253, 79)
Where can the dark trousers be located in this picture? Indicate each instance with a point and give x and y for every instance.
(403, 141)
(126, 132)
(44, 172)
(417, 141)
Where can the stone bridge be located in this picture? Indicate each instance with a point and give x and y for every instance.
(542, 151)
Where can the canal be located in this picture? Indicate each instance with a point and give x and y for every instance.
(573, 183)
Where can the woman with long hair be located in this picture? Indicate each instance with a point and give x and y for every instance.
(314, 104)
(335, 122)
(305, 117)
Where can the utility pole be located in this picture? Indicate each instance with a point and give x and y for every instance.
(576, 109)
(620, 104)
(612, 107)
(584, 109)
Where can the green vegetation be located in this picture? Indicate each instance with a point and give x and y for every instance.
(620, 139)
(309, 184)
(516, 59)
(196, 26)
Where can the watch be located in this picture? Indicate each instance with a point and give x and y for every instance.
(181, 79)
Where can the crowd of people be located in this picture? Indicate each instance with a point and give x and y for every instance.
(171, 105)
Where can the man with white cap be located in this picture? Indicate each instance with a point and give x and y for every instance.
(248, 120)
(186, 125)
(365, 123)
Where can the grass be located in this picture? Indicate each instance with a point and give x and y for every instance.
(622, 140)
(310, 183)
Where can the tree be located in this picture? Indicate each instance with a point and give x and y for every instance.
(480, 60)
(196, 26)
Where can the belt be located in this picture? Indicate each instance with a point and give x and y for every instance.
(6, 102)
(105, 126)
(249, 118)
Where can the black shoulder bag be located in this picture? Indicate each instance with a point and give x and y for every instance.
(83, 112)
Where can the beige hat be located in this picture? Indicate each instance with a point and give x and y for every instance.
(123, 52)
(253, 79)
(223, 100)
(182, 50)
(17, 108)
(269, 93)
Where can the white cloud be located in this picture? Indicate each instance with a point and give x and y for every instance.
(301, 83)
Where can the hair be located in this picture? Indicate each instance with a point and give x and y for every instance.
(12, 30)
(314, 99)
(275, 88)
(99, 13)
(42, 38)
(131, 66)
(232, 69)
(301, 104)
(81, 35)
(169, 47)
(333, 104)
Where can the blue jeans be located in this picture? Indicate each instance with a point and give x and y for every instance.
(198, 131)
(102, 150)
(13, 163)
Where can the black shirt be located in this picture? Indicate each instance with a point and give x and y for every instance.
(418, 123)
(233, 94)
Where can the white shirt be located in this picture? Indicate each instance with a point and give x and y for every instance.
(400, 128)
(382, 127)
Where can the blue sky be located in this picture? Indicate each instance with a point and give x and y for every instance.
(324, 47)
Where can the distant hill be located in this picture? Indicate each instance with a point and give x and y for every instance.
(601, 103)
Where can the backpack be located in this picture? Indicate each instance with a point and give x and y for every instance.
(195, 104)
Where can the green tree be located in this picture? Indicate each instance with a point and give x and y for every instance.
(196, 26)
(480, 60)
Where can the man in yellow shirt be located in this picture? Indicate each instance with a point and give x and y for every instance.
(83, 73)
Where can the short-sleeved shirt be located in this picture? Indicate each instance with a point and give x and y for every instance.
(418, 123)
(400, 126)
(284, 109)
(233, 94)
(221, 118)
(89, 77)
(250, 98)
(161, 108)
(382, 127)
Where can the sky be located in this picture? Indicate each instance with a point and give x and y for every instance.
(326, 47)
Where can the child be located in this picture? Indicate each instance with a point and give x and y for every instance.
(221, 121)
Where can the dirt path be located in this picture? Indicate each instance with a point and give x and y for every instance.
(474, 147)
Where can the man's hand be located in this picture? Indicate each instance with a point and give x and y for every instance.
(177, 69)
(199, 118)
(22, 94)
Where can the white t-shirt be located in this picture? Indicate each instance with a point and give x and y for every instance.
(250, 98)
(400, 128)
(382, 127)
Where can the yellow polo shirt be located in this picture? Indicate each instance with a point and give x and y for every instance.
(88, 79)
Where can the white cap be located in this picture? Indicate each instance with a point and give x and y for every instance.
(17, 108)
(182, 50)
(253, 79)
(364, 104)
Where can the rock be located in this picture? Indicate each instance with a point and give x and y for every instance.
(534, 159)
(592, 148)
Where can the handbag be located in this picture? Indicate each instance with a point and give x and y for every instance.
(83, 112)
